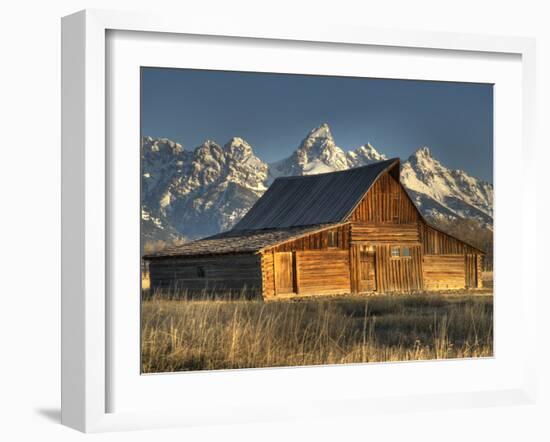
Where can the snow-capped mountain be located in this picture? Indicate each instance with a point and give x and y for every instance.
(162, 161)
(317, 153)
(364, 155)
(206, 191)
(455, 192)
(196, 193)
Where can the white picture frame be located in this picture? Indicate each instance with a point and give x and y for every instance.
(87, 354)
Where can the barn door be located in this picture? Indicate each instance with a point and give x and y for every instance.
(285, 273)
(367, 269)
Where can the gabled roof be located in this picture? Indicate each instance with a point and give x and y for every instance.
(312, 199)
(237, 242)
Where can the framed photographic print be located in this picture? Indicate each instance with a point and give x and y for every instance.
(282, 222)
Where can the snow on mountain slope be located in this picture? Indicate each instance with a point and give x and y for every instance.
(364, 155)
(200, 192)
(317, 153)
(161, 161)
(455, 190)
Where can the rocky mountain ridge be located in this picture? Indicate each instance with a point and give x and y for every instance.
(188, 194)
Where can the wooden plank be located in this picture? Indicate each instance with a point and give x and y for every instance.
(284, 273)
(444, 271)
(386, 202)
(233, 272)
(401, 274)
(435, 242)
(389, 233)
(323, 272)
(268, 275)
(479, 282)
(317, 241)
(367, 270)
(354, 259)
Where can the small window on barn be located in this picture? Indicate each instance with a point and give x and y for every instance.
(200, 272)
(406, 252)
(395, 252)
(332, 239)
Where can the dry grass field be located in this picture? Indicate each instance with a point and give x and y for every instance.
(180, 335)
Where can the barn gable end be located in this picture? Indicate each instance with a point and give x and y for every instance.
(385, 202)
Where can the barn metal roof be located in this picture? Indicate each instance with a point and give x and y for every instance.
(236, 242)
(312, 199)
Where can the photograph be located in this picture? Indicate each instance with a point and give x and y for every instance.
(303, 220)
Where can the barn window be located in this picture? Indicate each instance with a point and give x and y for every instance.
(405, 251)
(395, 252)
(200, 272)
(332, 239)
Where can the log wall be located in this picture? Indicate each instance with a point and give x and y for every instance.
(323, 272)
(444, 272)
(268, 274)
(385, 233)
(231, 273)
(316, 241)
(479, 259)
(315, 273)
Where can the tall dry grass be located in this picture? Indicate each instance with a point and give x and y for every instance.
(209, 335)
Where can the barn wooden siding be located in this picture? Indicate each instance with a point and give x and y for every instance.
(385, 202)
(392, 274)
(435, 242)
(268, 274)
(444, 272)
(317, 241)
(448, 263)
(479, 260)
(309, 272)
(385, 217)
(224, 273)
(385, 233)
(470, 271)
(323, 272)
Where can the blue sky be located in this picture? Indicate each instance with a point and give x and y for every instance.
(274, 112)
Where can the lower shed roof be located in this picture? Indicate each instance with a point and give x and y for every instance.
(244, 241)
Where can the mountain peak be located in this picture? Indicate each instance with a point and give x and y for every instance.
(466, 196)
(363, 155)
(238, 148)
(370, 151)
(424, 152)
(209, 143)
(154, 145)
(424, 159)
(236, 140)
(209, 149)
(323, 131)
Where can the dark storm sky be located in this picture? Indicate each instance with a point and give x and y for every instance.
(274, 112)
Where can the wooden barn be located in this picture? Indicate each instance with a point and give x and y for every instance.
(351, 231)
